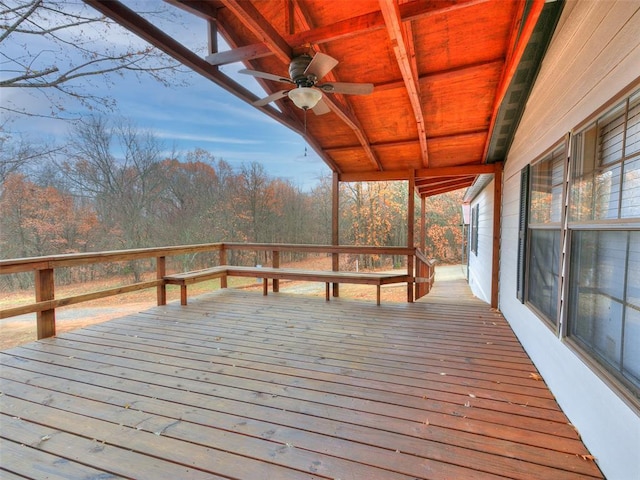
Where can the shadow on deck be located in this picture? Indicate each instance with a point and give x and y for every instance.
(237, 385)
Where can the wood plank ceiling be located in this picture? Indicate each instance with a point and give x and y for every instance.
(448, 76)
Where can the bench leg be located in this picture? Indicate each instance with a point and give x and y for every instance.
(378, 294)
(183, 294)
(265, 286)
(327, 291)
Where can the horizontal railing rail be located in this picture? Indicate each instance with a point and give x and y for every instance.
(44, 269)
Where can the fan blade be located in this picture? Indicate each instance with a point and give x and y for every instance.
(320, 65)
(266, 76)
(321, 107)
(271, 98)
(347, 88)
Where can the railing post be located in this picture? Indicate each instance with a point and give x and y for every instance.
(275, 263)
(411, 209)
(223, 261)
(46, 319)
(161, 271)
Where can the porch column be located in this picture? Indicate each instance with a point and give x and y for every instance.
(497, 223)
(335, 228)
(423, 223)
(411, 206)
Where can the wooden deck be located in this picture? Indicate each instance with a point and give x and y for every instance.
(237, 385)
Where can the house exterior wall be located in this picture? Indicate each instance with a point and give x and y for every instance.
(480, 263)
(593, 57)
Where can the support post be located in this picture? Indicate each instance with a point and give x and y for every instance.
(335, 228)
(46, 319)
(411, 205)
(422, 270)
(275, 263)
(497, 224)
(423, 224)
(223, 261)
(212, 27)
(161, 271)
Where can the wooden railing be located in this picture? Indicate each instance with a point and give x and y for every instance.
(44, 271)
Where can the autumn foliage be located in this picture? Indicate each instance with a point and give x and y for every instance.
(94, 200)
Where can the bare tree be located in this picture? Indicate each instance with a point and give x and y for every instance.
(18, 153)
(59, 49)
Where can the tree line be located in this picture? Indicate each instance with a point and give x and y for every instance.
(112, 187)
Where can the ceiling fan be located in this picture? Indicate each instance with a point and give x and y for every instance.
(305, 72)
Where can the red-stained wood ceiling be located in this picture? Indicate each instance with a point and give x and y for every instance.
(440, 69)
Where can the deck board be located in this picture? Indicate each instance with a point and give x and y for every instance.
(237, 385)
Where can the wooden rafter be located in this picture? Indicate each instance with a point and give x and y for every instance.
(402, 49)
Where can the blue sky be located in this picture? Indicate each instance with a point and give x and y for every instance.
(195, 114)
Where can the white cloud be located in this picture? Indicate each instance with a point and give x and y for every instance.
(173, 135)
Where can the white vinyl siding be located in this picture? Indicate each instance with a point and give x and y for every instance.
(480, 263)
(593, 57)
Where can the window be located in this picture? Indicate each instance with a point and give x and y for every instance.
(544, 215)
(606, 167)
(603, 311)
(604, 317)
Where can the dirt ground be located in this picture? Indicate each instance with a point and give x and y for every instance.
(16, 331)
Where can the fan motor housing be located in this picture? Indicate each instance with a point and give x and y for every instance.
(297, 68)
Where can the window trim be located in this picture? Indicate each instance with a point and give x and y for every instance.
(475, 214)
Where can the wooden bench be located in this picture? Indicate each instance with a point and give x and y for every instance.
(187, 278)
(266, 273)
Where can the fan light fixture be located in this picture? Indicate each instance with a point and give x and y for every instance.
(305, 97)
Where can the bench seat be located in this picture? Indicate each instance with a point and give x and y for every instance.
(326, 277)
(187, 278)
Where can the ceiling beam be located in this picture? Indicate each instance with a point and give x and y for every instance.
(439, 186)
(254, 21)
(430, 192)
(421, 173)
(375, 21)
(351, 148)
(433, 181)
(402, 43)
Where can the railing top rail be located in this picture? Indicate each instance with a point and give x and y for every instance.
(292, 247)
(72, 259)
(16, 265)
